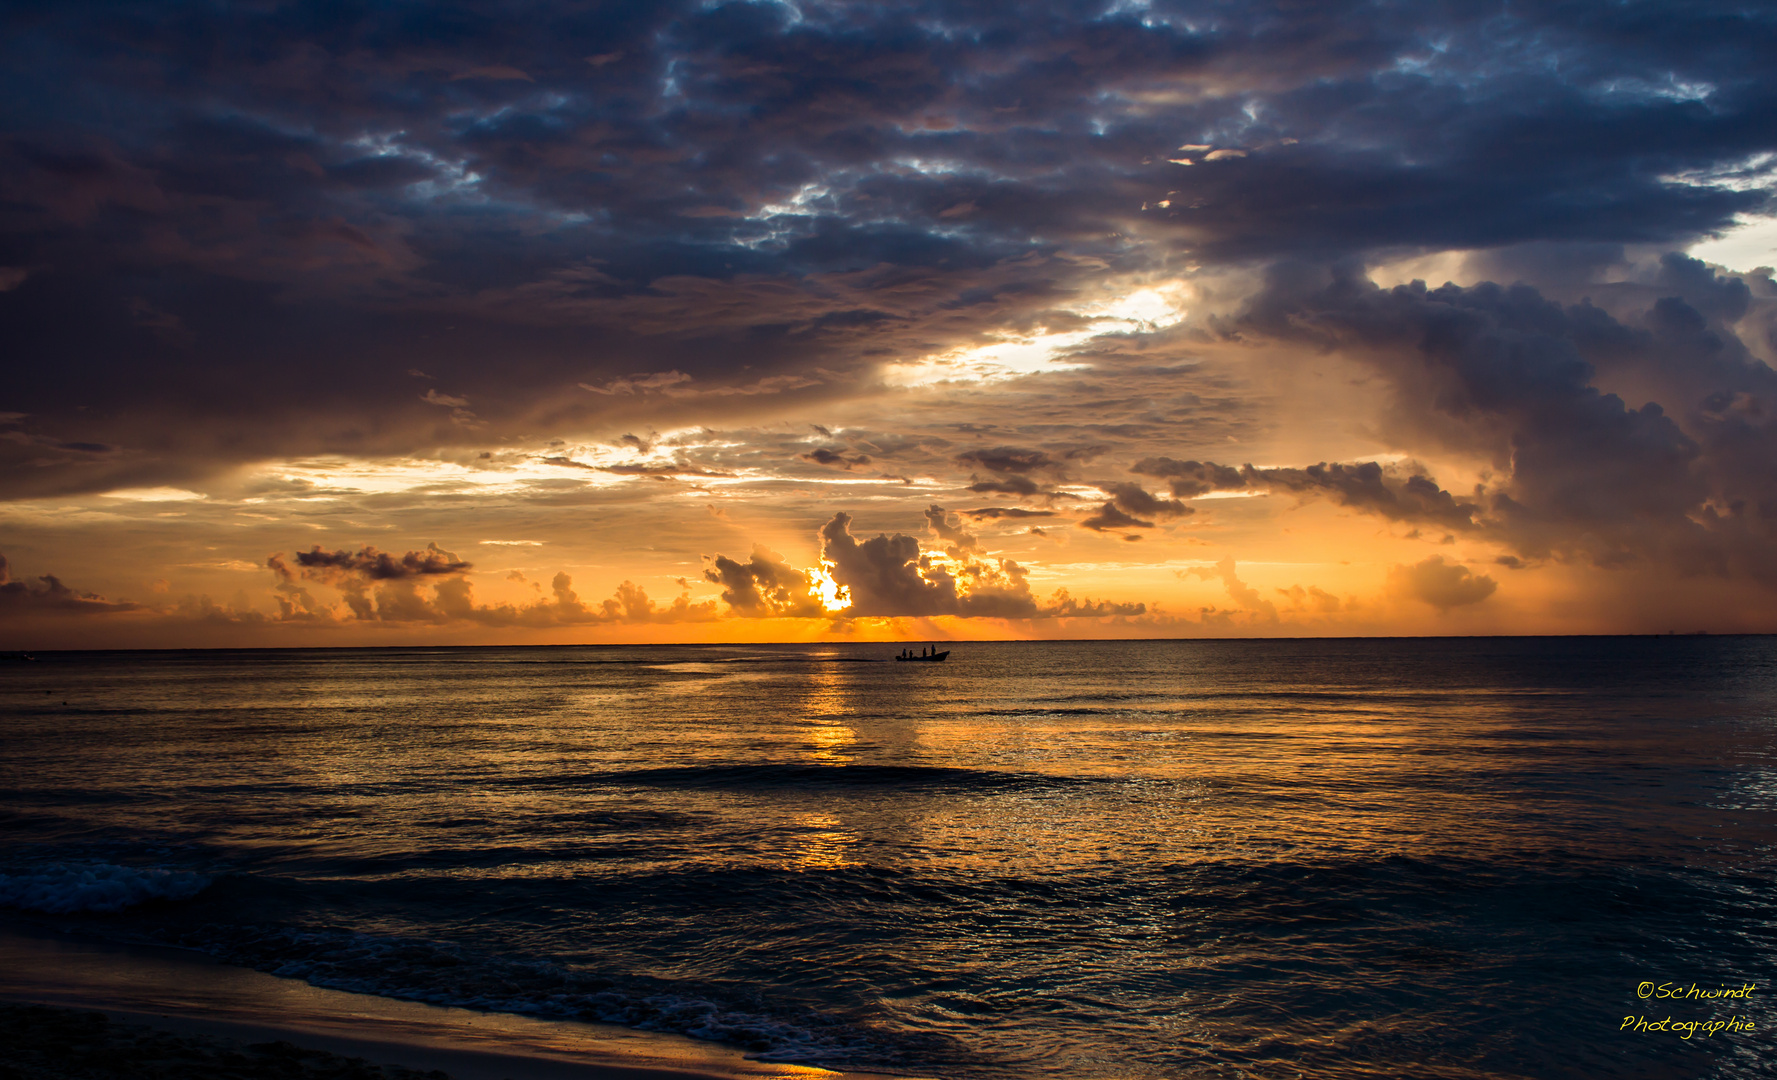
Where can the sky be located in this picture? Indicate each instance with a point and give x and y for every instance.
(452, 323)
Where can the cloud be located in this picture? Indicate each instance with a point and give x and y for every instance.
(1189, 479)
(1248, 598)
(765, 585)
(1313, 598)
(663, 381)
(1011, 485)
(1008, 460)
(956, 540)
(661, 471)
(433, 397)
(1128, 500)
(493, 71)
(52, 598)
(1111, 518)
(243, 231)
(377, 192)
(1393, 492)
(1014, 470)
(377, 565)
(888, 575)
(1367, 486)
(376, 587)
(989, 513)
(824, 456)
(1438, 583)
(1507, 374)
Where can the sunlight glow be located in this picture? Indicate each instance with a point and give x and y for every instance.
(1748, 246)
(833, 596)
(154, 494)
(1142, 311)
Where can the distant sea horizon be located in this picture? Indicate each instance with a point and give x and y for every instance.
(863, 642)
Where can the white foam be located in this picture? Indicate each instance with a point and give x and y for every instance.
(64, 888)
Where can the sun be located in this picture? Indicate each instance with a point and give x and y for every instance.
(833, 596)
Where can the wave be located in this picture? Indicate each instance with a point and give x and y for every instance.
(66, 888)
(443, 973)
(801, 774)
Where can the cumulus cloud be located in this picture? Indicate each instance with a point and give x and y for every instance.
(1441, 584)
(1312, 598)
(1244, 596)
(956, 540)
(889, 575)
(378, 587)
(764, 585)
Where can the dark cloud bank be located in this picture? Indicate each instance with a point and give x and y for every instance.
(1510, 376)
(232, 231)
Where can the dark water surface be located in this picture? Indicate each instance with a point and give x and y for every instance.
(1445, 858)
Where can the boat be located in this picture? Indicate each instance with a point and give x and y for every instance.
(907, 654)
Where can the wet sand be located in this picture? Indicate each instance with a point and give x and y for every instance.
(165, 1012)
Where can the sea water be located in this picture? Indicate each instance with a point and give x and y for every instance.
(1363, 858)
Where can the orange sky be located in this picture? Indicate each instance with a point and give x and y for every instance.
(612, 535)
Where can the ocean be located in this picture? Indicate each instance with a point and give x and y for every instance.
(1453, 858)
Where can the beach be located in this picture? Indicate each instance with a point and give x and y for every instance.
(90, 1010)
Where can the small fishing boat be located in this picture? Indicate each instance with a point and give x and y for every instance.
(907, 654)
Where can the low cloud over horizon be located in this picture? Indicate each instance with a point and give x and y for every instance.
(884, 320)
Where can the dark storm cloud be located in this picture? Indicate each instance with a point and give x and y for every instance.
(229, 231)
(1399, 496)
(1689, 478)
(1366, 486)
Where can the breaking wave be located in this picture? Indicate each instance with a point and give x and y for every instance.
(65, 888)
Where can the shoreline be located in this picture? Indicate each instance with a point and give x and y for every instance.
(194, 996)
